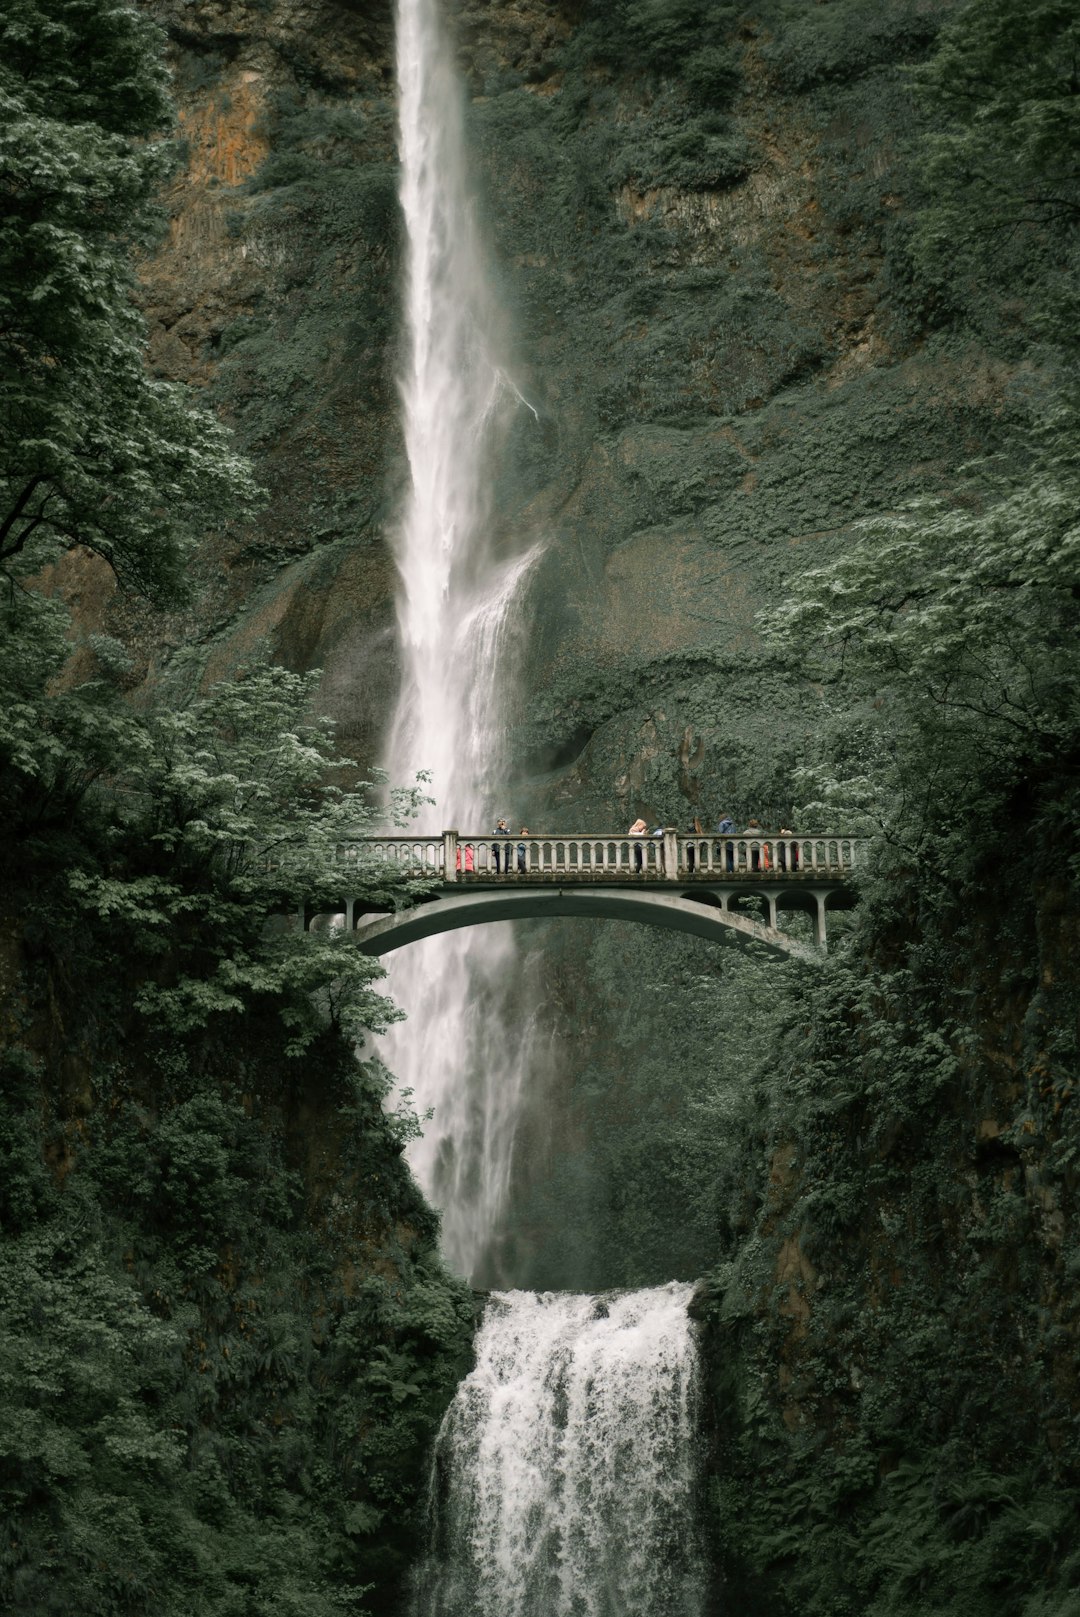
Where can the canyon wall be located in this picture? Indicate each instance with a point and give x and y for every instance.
(704, 222)
(707, 275)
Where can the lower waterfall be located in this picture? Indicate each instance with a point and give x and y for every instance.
(564, 1477)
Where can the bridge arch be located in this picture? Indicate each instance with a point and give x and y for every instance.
(702, 916)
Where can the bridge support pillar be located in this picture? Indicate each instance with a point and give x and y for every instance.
(350, 915)
(770, 899)
(819, 922)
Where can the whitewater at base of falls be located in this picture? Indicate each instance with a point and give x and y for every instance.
(564, 1479)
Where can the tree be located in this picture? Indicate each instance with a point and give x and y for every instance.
(1001, 168)
(93, 450)
(222, 816)
(948, 635)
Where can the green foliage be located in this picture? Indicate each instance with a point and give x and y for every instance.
(191, 1313)
(665, 148)
(48, 44)
(689, 39)
(90, 1475)
(55, 741)
(226, 1339)
(842, 40)
(887, 1335)
(960, 621)
(681, 135)
(881, 1344)
(876, 1162)
(95, 451)
(327, 192)
(1000, 210)
(200, 1409)
(208, 819)
(25, 1186)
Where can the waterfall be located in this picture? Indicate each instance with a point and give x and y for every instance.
(458, 1053)
(564, 1476)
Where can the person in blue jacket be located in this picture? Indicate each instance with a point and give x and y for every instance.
(725, 827)
(497, 849)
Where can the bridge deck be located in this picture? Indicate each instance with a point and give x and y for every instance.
(454, 857)
(642, 880)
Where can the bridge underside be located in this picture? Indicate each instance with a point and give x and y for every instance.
(705, 915)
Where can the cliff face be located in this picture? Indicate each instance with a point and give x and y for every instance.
(891, 1349)
(706, 285)
(275, 290)
(227, 1338)
(701, 221)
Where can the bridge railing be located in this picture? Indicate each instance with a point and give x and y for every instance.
(718, 856)
(415, 856)
(589, 856)
(452, 856)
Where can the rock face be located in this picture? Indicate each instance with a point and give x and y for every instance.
(275, 290)
(698, 230)
(705, 289)
(700, 237)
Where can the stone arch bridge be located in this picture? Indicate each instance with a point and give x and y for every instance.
(695, 884)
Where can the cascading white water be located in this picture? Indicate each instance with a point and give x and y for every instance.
(564, 1474)
(459, 585)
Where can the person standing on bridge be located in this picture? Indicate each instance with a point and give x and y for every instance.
(725, 827)
(522, 852)
(638, 829)
(501, 830)
(759, 856)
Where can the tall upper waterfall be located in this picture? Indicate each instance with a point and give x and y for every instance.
(564, 1475)
(460, 580)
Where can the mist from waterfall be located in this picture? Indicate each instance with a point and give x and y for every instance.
(565, 1473)
(460, 583)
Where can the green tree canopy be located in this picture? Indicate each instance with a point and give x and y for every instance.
(954, 624)
(1001, 169)
(93, 450)
(189, 827)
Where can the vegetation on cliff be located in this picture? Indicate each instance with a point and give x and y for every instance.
(894, 1337)
(227, 1335)
(95, 451)
(882, 1154)
(798, 286)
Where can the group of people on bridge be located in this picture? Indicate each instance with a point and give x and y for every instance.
(761, 851)
(763, 855)
(501, 852)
